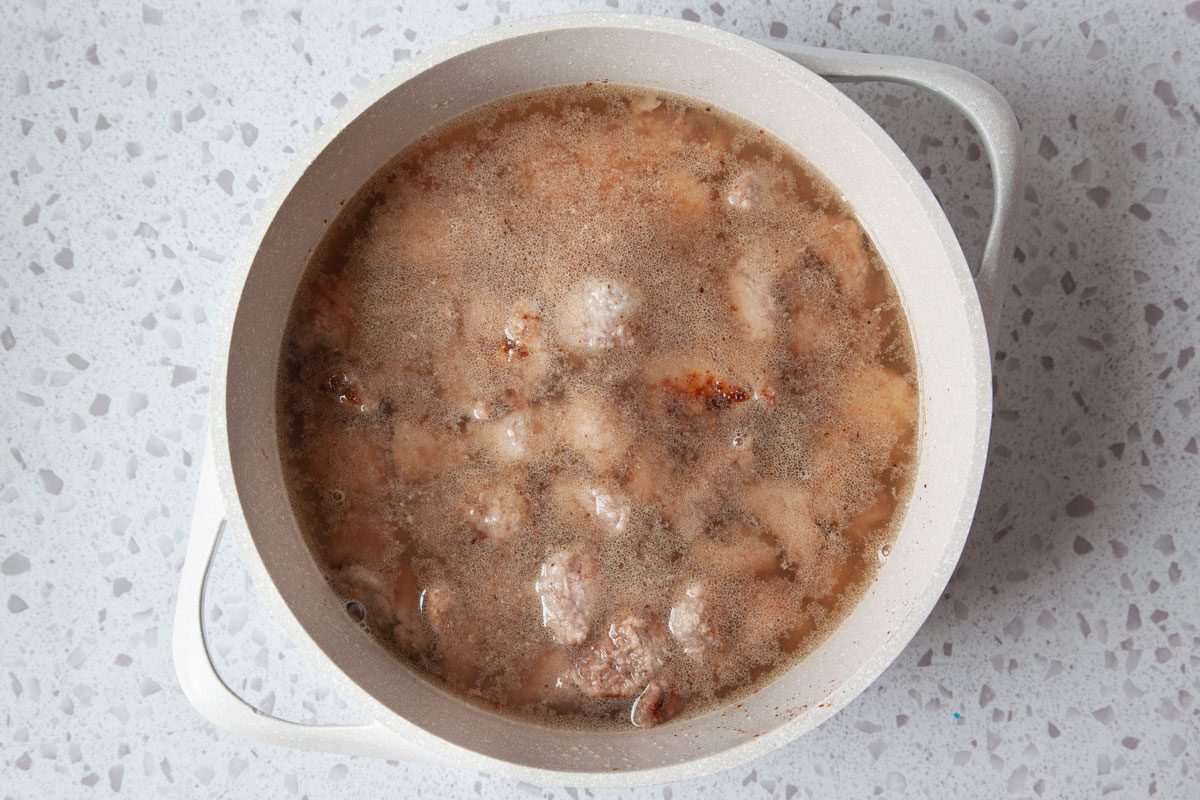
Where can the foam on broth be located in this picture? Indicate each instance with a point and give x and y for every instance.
(598, 405)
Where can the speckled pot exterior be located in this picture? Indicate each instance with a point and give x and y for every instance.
(895, 206)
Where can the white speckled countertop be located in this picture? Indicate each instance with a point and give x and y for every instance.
(137, 143)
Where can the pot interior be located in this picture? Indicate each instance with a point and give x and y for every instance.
(895, 208)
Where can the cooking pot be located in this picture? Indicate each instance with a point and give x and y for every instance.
(779, 88)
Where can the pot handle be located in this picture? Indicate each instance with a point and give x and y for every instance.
(982, 104)
(205, 689)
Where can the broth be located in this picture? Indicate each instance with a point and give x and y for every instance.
(598, 406)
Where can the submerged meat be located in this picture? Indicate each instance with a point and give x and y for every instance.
(742, 552)
(593, 429)
(419, 454)
(839, 243)
(651, 706)
(881, 404)
(352, 460)
(565, 586)
(712, 479)
(517, 436)
(785, 509)
(745, 191)
(609, 509)
(328, 321)
(383, 602)
(873, 519)
(596, 317)
(425, 234)
(687, 198)
(644, 103)
(371, 591)
(455, 646)
(621, 665)
(751, 286)
(498, 512)
(523, 329)
(648, 473)
(774, 616)
(689, 623)
(460, 385)
(860, 448)
(592, 500)
(815, 326)
(657, 121)
(438, 606)
(524, 348)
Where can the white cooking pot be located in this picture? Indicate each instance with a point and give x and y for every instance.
(241, 482)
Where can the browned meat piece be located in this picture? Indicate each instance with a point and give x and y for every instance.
(565, 587)
(709, 391)
(692, 388)
(344, 386)
(619, 667)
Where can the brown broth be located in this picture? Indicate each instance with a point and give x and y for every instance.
(598, 406)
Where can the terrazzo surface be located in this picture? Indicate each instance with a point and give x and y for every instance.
(137, 142)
